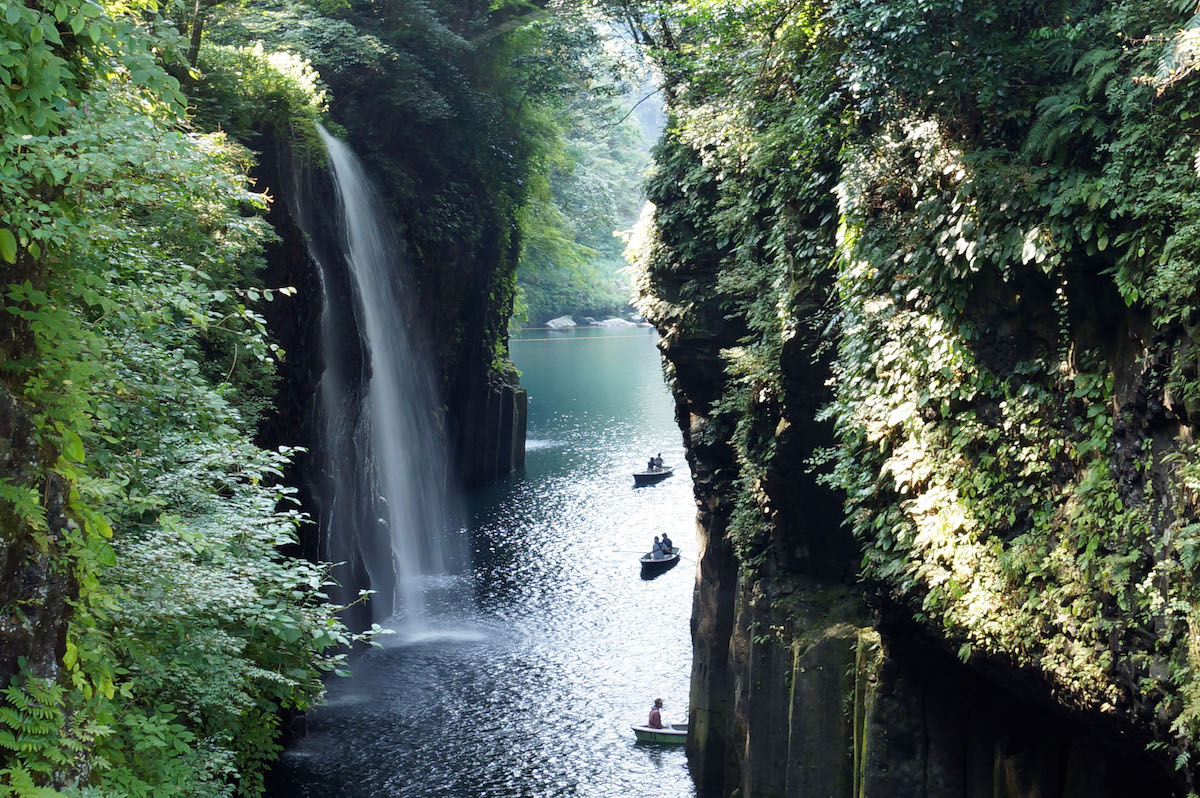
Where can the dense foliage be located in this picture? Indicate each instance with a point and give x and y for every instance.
(575, 222)
(134, 340)
(990, 210)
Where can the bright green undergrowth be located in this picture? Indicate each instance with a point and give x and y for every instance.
(133, 335)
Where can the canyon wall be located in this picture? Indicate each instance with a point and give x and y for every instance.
(930, 329)
(808, 682)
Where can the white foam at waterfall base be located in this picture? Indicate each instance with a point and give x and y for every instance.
(463, 634)
(538, 445)
(388, 509)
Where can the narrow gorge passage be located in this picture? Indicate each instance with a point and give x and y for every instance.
(534, 696)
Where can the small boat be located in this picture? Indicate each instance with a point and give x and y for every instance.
(652, 476)
(674, 734)
(653, 566)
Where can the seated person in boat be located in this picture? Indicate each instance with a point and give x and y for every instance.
(656, 552)
(657, 461)
(650, 465)
(667, 546)
(656, 721)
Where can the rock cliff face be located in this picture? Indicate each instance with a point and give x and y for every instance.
(925, 274)
(36, 586)
(806, 682)
(800, 687)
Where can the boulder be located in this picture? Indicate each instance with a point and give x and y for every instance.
(560, 323)
(615, 322)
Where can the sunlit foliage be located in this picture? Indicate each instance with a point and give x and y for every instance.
(981, 205)
(132, 336)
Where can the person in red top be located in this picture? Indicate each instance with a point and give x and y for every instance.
(656, 715)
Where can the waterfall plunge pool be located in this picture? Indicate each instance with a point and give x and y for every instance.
(532, 693)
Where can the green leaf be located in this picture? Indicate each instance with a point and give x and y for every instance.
(72, 446)
(290, 634)
(8, 245)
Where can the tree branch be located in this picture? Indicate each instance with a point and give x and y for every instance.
(632, 108)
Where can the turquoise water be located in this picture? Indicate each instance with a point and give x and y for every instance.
(533, 692)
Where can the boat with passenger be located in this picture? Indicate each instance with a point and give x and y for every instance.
(673, 734)
(650, 565)
(652, 475)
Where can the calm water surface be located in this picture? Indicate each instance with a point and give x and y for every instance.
(533, 691)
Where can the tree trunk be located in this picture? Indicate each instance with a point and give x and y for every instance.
(198, 12)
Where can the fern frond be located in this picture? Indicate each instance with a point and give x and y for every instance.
(1099, 78)
(1094, 58)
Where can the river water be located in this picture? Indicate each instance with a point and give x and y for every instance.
(533, 691)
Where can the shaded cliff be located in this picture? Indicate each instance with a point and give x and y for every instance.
(806, 681)
(431, 97)
(923, 277)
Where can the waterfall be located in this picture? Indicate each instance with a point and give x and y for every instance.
(384, 514)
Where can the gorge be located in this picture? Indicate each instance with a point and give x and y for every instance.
(923, 276)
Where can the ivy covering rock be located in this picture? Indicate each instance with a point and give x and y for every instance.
(980, 220)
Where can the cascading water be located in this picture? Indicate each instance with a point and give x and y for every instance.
(384, 515)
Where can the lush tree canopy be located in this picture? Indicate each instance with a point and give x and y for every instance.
(573, 257)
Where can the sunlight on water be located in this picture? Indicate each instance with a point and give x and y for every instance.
(534, 697)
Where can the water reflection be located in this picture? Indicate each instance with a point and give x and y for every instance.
(535, 695)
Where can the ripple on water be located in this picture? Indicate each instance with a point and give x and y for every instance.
(533, 696)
